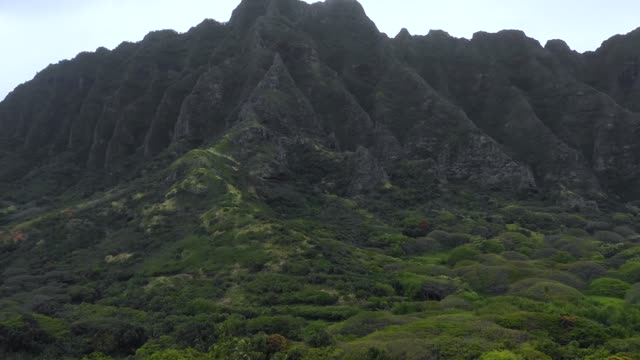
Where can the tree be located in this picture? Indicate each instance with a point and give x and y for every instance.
(276, 344)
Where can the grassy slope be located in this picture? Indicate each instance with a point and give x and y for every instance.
(200, 257)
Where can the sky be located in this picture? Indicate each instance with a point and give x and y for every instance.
(36, 33)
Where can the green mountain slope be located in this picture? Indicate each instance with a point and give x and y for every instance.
(294, 184)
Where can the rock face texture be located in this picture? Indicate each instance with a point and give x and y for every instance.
(326, 93)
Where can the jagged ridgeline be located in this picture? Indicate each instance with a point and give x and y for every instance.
(294, 184)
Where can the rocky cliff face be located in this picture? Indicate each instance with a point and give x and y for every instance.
(301, 89)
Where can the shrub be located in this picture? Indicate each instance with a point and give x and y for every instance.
(311, 297)
(622, 219)
(277, 343)
(491, 280)
(439, 289)
(111, 336)
(609, 287)
(22, 333)
(514, 256)
(415, 228)
(567, 279)
(625, 232)
(316, 335)
(407, 307)
(421, 246)
(528, 321)
(593, 226)
(608, 237)
(545, 290)
(235, 348)
(368, 322)
(376, 354)
(500, 355)
(327, 313)
(578, 247)
(544, 253)
(631, 271)
(624, 346)
(288, 326)
(576, 232)
(491, 247)
(563, 257)
(387, 241)
(623, 256)
(461, 253)
(439, 235)
(633, 295)
(585, 332)
(197, 331)
(587, 270)
(450, 241)
(457, 301)
(80, 294)
(173, 354)
(426, 288)
(514, 240)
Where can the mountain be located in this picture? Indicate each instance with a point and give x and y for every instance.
(294, 184)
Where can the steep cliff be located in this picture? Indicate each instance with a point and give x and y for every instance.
(497, 111)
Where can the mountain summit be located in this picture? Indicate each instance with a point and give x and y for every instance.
(295, 174)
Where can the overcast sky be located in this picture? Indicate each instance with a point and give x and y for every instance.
(35, 33)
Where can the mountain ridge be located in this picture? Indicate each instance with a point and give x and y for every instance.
(115, 139)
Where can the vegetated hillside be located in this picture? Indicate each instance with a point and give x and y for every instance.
(293, 184)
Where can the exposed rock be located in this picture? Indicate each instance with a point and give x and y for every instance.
(288, 82)
(365, 173)
(200, 112)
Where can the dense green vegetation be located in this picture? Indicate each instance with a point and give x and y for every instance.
(296, 185)
(207, 266)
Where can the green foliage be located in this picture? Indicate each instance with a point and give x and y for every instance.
(500, 355)
(316, 335)
(608, 237)
(427, 288)
(173, 354)
(630, 271)
(545, 290)
(289, 326)
(237, 349)
(609, 287)
(110, 336)
(368, 322)
(492, 280)
(22, 334)
(491, 247)
(377, 354)
(462, 253)
(633, 295)
(587, 270)
(206, 262)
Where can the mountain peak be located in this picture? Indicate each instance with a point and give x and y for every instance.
(249, 10)
(350, 8)
(558, 46)
(404, 34)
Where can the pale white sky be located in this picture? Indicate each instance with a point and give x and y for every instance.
(35, 33)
